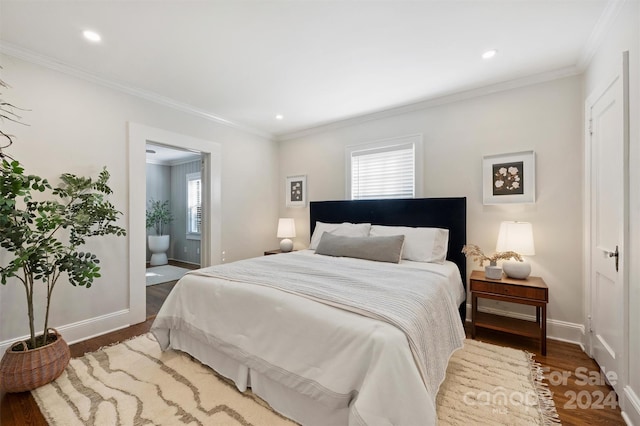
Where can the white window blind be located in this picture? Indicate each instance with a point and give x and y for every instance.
(194, 203)
(383, 171)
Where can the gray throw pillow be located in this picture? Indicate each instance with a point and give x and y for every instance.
(381, 249)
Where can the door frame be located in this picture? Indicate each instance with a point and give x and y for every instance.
(623, 74)
(211, 241)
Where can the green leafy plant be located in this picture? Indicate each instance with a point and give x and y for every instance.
(158, 215)
(44, 236)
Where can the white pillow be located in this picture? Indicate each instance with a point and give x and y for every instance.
(345, 229)
(420, 244)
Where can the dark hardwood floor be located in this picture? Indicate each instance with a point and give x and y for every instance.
(579, 396)
(156, 294)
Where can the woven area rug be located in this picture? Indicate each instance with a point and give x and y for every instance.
(489, 385)
(165, 273)
(134, 383)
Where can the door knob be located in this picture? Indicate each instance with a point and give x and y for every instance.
(615, 254)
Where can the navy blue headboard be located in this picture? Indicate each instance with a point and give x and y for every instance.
(449, 213)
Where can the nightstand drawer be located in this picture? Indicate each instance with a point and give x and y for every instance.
(519, 291)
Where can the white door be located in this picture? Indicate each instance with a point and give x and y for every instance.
(607, 111)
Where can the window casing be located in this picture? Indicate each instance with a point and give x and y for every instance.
(385, 169)
(194, 205)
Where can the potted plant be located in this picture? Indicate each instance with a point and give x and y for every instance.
(42, 229)
(492, 271)
(158, 215)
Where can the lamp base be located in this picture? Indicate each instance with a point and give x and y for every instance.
(517, 270)
(286, 245)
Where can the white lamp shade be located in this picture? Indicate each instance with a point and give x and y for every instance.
(516, 236)
(286, 228)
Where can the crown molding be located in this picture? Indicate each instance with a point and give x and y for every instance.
(47, 62)
(432, 102)
(603, 26)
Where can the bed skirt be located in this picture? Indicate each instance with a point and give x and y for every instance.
(285, 401)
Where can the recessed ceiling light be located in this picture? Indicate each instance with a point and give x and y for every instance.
(489, 54)
(279, 117)
(91, 36)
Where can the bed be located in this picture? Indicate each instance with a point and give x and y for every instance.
(311, 356)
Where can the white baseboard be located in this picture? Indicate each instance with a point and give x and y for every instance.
(630, 406)
(86, 329)
(556, 330)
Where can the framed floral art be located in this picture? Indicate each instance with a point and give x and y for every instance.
(509, 178)
(296, 191)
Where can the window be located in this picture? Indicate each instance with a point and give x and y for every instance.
(194, 204)
(385, 169)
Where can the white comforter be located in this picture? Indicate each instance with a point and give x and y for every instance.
(331, 355)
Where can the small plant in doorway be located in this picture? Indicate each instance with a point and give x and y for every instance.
(158, 215)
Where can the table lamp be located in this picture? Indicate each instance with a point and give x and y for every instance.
(286, 230)
(518, 237)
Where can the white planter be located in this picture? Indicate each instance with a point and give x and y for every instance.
(158, 245)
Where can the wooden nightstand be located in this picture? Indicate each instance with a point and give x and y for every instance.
(532, 291)
(269, 252)
(276, 251)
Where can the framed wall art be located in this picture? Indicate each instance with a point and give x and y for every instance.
(509, 178)
(296, 191)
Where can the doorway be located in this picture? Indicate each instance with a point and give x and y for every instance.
(206, 250)
(174, 219)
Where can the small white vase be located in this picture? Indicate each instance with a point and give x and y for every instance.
(158, 245)
(493, 272)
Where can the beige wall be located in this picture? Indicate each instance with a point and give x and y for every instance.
(77, 126)
(546, 118)
(625, 36)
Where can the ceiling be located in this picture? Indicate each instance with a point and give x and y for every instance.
(315, 62)
(163, 155)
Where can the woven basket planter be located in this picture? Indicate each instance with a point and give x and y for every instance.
(25, 370)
